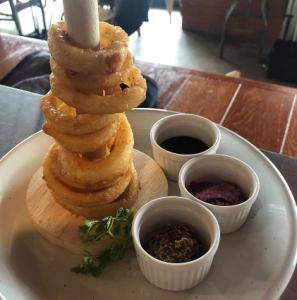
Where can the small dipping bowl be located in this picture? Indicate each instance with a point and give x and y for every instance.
(182, 125)
(222, 168)
(168, 210)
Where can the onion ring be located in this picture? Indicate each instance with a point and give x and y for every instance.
(101, 152)
(75, 197)
(90, 83)
(93, 104)
(127, 199)
(108, 59)
(71, 168)
(83, 143)
(72, 123)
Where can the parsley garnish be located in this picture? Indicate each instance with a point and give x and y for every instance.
(118, 228)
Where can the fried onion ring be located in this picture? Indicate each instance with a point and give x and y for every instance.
(68, 121)
(108, 59)
(121, 101)
(90, 83)
(83, 143)
(127, 199)
(70, 196)
(73, 169)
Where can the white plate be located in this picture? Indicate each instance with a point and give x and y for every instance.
(255, 262)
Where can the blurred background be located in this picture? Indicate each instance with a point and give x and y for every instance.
(255, 37)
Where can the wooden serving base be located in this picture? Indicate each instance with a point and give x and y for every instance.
(60, 227)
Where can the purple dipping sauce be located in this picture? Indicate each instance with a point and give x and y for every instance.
(217, 193)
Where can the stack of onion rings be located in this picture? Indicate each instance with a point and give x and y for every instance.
(109, 58)
(89, 169)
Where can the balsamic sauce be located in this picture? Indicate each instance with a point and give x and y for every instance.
(184, 145)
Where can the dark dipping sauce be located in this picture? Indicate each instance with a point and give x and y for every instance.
(184, 145)
(175, 243)
(217, 193)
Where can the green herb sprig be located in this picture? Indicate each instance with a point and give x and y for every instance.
(117, 228)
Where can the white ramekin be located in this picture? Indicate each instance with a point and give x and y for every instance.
(161, 211)
(223, 168)
(182, 125)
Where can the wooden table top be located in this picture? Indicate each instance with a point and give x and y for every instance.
(263, 113)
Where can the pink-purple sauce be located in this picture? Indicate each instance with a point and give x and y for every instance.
(217, 193)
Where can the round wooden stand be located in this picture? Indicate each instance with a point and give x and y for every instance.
(60, 226)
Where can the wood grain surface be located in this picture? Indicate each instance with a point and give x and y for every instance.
(261, 122)
(60, 227)
(290, 139)
(207, 97)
